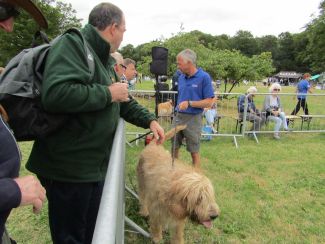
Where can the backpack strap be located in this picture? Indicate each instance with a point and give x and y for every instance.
(39, 35)
(89, 55)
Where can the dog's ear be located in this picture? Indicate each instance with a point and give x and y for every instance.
(178, 211)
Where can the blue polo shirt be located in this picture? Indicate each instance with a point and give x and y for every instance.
(303, 87)
(194, 88)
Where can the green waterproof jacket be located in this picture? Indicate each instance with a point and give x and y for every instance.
(79, 152)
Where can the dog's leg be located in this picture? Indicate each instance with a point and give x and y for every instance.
(177, 232)
(142, 189)
(155, 229)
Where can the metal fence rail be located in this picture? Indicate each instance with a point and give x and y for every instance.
(110, 220)
(299, 123)
(228, 123)
(111, 216)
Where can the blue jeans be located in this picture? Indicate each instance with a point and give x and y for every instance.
(210, 116)
(281, 120)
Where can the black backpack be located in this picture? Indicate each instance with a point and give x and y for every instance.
(20, 92)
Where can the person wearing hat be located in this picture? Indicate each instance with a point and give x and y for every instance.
(15, 191)
(253, 114)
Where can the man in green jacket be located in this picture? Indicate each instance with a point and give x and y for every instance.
(72, 163)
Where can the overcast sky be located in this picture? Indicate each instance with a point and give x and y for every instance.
(147, 20)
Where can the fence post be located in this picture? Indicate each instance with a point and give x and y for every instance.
(109, 227)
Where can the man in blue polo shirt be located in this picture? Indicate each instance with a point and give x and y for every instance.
(195, 92)
(303, 87)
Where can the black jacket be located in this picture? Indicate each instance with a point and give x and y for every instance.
(10, 195)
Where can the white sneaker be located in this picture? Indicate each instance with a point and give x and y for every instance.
(276, 137)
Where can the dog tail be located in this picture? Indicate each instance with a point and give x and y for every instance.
(173, 131)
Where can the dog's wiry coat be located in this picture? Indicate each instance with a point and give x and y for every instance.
(171, 193)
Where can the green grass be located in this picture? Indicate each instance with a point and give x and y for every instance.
(271, 192)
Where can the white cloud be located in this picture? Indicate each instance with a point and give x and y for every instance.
(149, 19)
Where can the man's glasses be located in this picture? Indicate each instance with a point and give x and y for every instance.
(276, 89)
(7, 11)
(123, 66)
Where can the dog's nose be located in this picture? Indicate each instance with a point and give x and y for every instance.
(212, 217)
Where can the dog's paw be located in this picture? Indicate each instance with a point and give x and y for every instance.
(157, 239)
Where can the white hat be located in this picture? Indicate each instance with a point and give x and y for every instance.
(251, 90)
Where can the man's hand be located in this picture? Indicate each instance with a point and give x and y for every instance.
(32, 192)
(4, 114)
(183, 105)
(158, 132)
(275, 112)
(119, 92)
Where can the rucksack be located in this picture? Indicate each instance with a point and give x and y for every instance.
(206, 129)
(20, 92)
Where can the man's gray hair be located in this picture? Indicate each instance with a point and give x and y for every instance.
(188, 55)
(118, 57)
(105, 14)
(128, 61)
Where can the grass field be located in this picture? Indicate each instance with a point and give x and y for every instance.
(271, 192)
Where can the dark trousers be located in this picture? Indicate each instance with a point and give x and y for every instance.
(302, 103)
(73, 209)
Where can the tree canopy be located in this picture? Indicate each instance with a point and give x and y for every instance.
(60, 16)
(244, 56)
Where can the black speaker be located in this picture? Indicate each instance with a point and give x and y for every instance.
(158, 66)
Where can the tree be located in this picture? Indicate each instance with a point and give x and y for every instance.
(60, 16)
(245, 42)
(285, 57)
(268, 43)
(315, 32)
(301, 61)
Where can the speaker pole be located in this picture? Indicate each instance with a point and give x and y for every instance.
(156, 96)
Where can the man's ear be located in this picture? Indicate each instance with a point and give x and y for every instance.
(108, 32)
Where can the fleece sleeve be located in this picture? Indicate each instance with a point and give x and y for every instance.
(136, 114)
(10, 195)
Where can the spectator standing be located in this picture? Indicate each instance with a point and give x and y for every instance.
(15, 191)
(303, 87)
(73, 162)
(273, 110)
(195, 92)
(119, 67)
(175, 86)
(130, 72)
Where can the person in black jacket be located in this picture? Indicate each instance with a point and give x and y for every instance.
(15, 191)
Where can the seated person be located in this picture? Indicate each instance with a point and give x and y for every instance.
(210, 114)
(253, 115)
(273, 108)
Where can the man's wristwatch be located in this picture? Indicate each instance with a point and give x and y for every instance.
(189, 103)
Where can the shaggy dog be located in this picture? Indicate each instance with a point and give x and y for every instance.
(170, 192)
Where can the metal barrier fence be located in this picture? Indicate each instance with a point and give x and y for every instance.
(314, 122)
(110, 220)
(111, 216)
(109, 227)
(228, 123)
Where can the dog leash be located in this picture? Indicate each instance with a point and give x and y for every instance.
(174, 143)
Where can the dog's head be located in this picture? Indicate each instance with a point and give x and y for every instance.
(195, 194)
